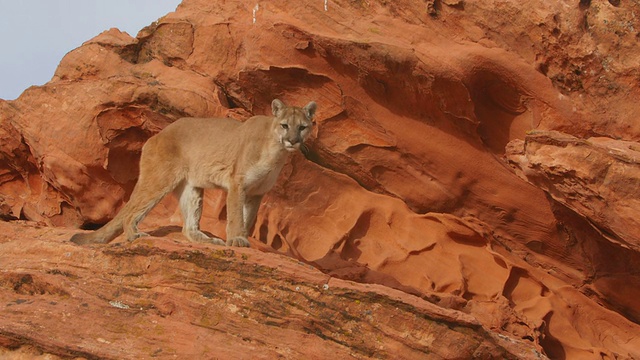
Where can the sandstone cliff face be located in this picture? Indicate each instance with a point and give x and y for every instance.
(482, 156)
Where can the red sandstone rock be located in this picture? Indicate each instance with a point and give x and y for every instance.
(596, 184)
(405, 184)
(160, 298)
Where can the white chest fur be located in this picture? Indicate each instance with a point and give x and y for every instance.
(261, 177)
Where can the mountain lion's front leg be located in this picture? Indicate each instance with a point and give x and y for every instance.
(250, 212)
(236, 230)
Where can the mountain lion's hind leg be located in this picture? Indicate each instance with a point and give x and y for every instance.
(191, 208)
(143, 199)
(160, 173)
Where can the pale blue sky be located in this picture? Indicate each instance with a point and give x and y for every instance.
(36, 34)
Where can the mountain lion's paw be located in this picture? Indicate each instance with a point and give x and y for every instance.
(239, 241)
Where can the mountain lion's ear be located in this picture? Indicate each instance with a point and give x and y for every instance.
(310, 109)
(277, 106)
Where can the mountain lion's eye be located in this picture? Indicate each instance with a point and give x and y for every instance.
(302, 127)
(285, 126)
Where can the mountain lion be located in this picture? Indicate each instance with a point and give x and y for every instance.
(243, 158)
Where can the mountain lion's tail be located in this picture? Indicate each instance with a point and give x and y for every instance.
(103, 235)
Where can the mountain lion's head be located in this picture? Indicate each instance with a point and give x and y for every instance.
(292, 124)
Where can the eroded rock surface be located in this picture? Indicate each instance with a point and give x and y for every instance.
(594, 185)
(480, 155)
(159, 298)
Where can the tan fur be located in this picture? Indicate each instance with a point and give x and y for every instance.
(193, 154)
